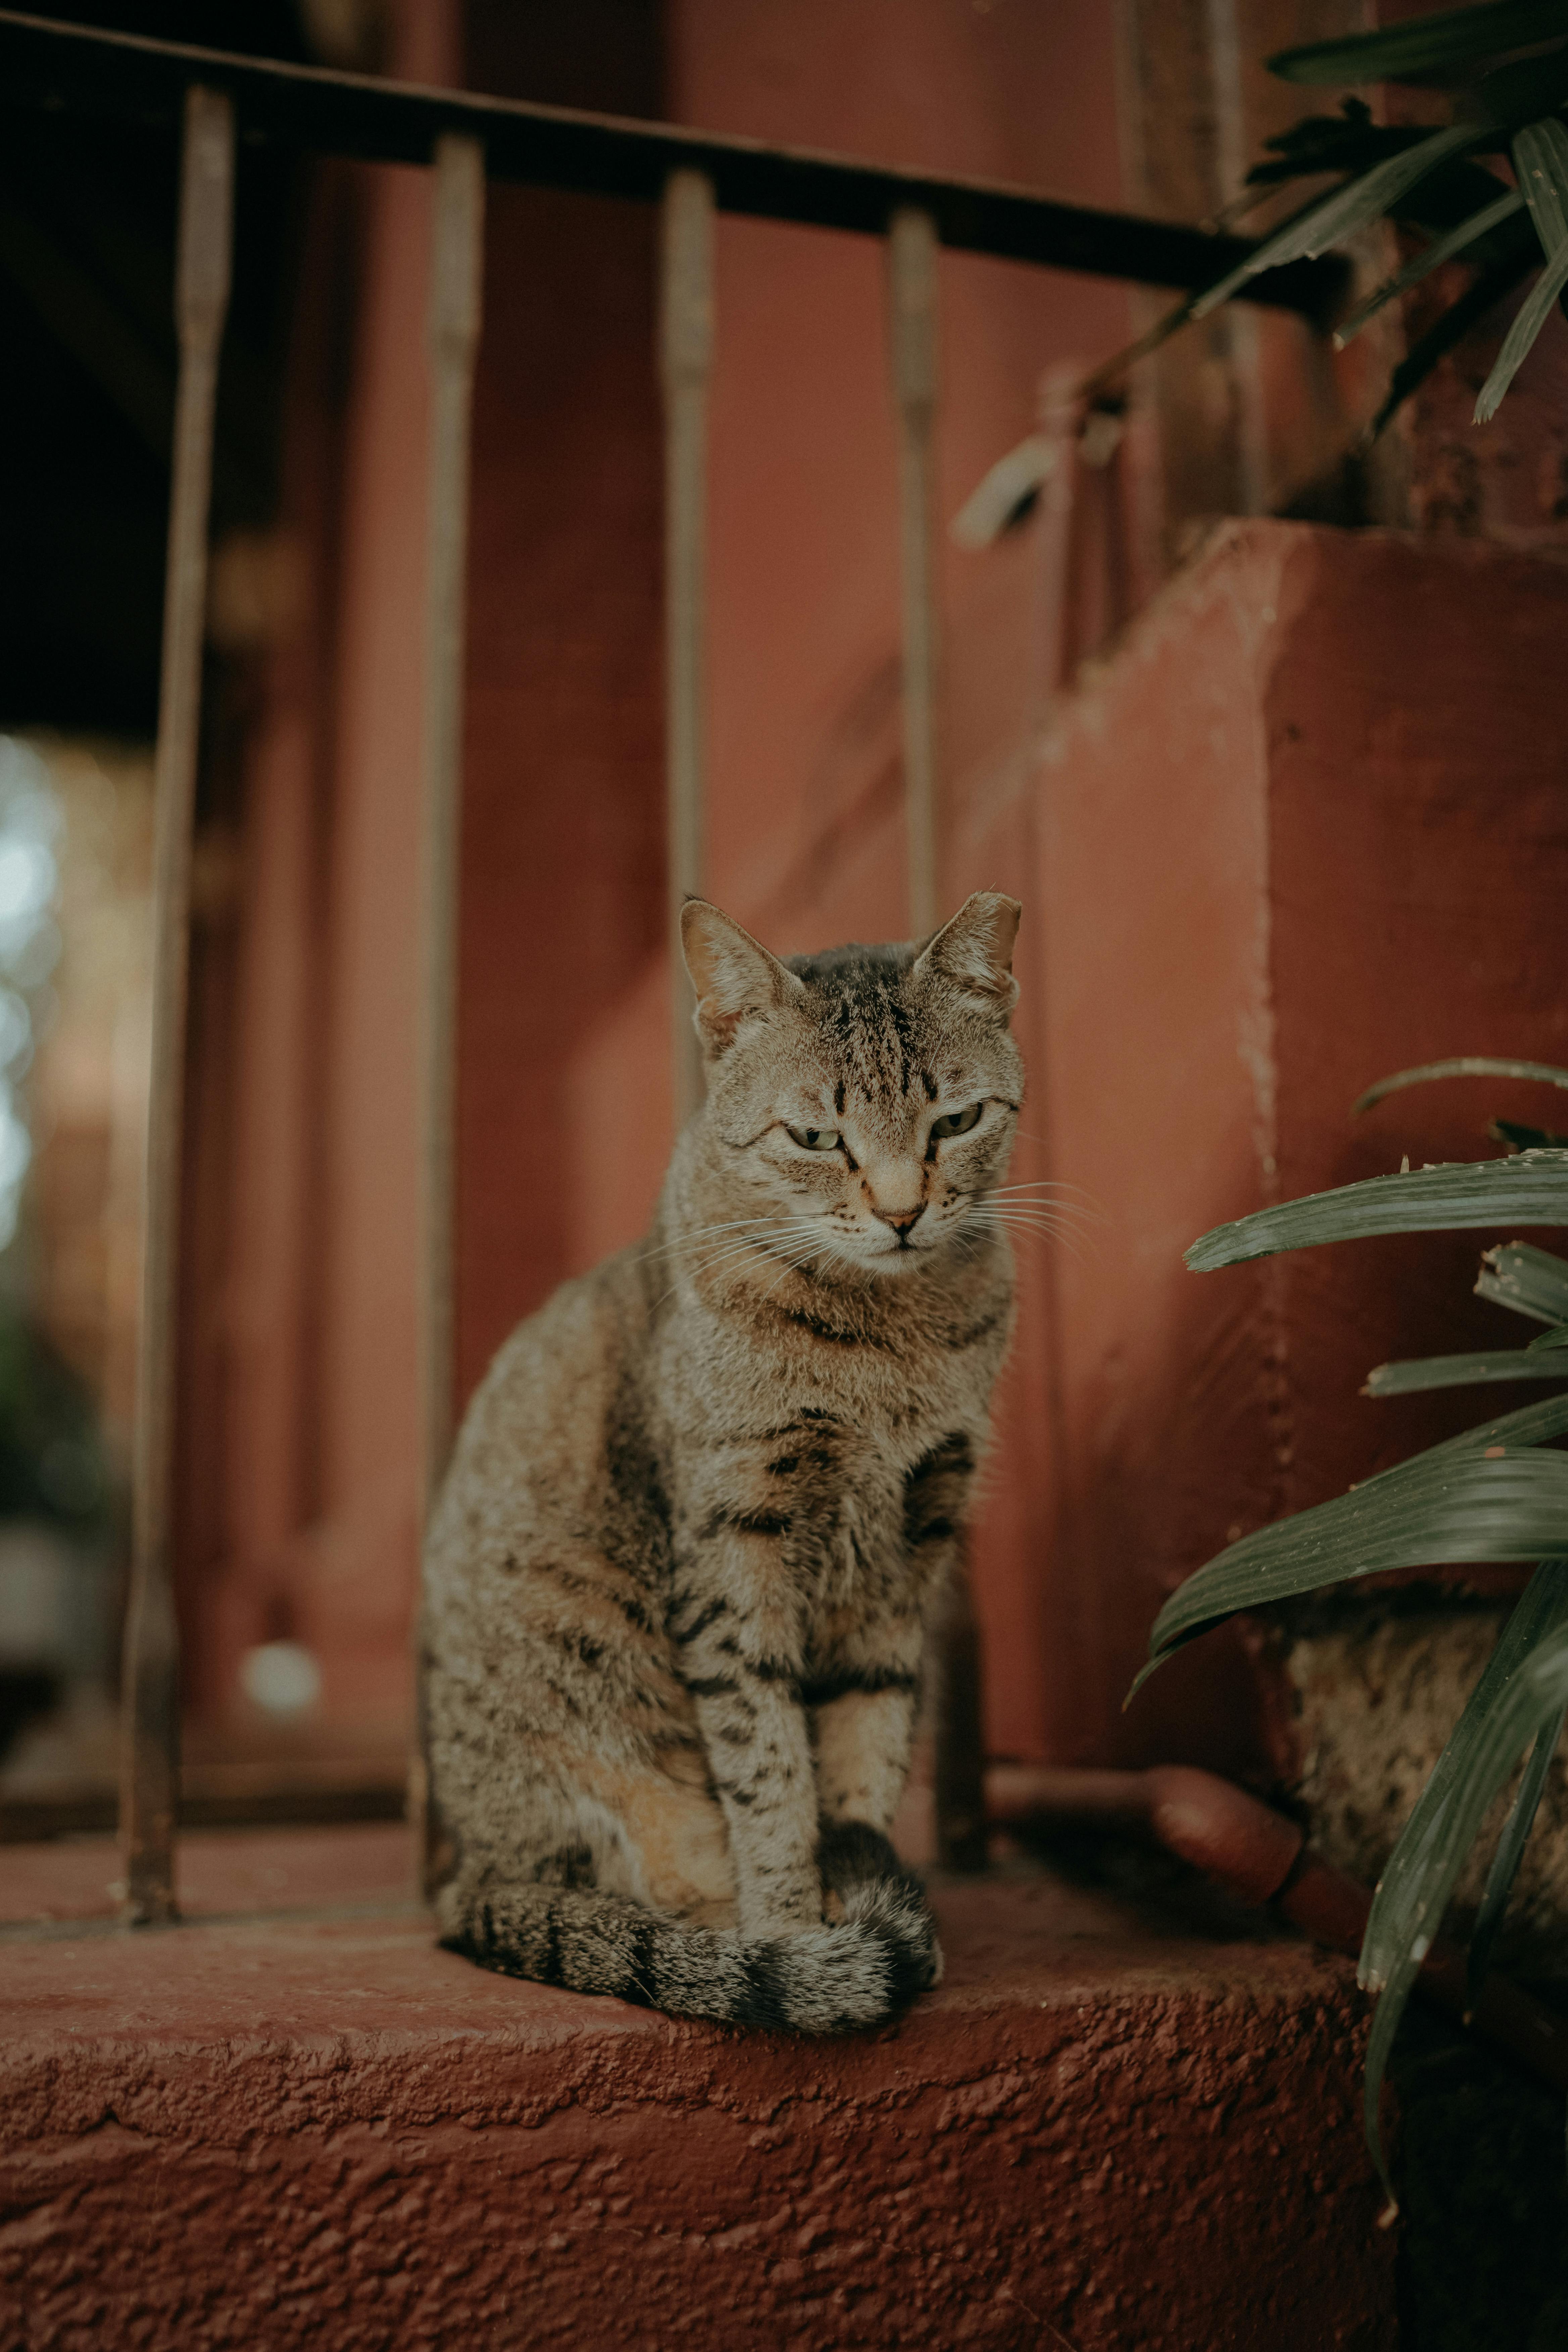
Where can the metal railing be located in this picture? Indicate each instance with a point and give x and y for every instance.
(211, 98)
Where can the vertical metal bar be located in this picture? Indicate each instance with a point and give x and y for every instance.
(456, 276)
(686, 359)
(959, 1795)
(1061, 415)
(150, 1688)
(911, 290)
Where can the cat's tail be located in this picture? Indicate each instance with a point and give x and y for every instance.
(828, 1979)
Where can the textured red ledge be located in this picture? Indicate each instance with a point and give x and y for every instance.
(251, 2133)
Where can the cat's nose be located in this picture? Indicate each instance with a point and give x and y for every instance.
(902, 1220)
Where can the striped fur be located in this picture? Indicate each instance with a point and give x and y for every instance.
(826, 1979)
(704, 1503)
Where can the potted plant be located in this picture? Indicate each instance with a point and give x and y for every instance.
(1496, 1492)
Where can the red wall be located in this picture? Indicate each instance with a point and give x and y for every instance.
(565, 976)
(1186, 866)
(563, 1122)
(1286, 849)
(565, 1085)
(313, 1390)
(563, 883)
(805, 831)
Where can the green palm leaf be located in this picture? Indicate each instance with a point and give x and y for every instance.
(1511, 1853)
(1527, 1280)
(1451, 1513)
(1463, 1065)
(1421, 1372)
(1529, 1189)
(1431, 44)
(1339, 214)
(1540, 159)
(1484, 1495)
(1524, 1686)
(1492, 287)
(1441, 249)
(1525, 90)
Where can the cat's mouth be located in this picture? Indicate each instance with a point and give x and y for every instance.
(900, 1251)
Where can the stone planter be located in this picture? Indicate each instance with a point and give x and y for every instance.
(1371, 1688)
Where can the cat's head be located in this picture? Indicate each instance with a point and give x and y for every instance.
(862, 1102)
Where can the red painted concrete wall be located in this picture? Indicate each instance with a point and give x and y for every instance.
(563, 825)
(1279, 846)
(565, 978)
(564, 1122)
(312, 1394)
(1309, 829)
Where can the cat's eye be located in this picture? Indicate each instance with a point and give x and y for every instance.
(814, 1138)
(955, 1122)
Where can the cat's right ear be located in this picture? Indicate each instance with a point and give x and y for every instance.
(735, 977)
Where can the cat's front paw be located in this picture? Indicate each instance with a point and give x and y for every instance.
(896, 1908)
(851, 1855)
(862, 1878)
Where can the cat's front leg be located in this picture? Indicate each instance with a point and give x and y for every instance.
(862, 1710)
(863, 1730)
(863, 1687)
(738, 1647)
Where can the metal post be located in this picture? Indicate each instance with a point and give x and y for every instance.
(686, 357)
(911, 290)
(456, 289)
(1061, 418)
(150, 1703)
(959, 1792)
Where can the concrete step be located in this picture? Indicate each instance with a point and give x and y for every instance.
(1102, 2131)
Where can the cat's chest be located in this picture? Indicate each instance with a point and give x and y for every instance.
(819, 1456)
(900, 1388)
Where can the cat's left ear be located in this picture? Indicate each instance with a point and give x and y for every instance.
(736, 978)
(974, 953)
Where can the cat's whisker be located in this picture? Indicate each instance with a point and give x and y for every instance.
(734, 1255)
(1042, 1184)
(1022, 1227)
(744, 1240)
(735, 1252)
(704, 1233)
(1070, 1212)
(1022, 1212)
(734, 1247)
(683, 1272)
(1055, 1183)
(1078, 1195)
(1064, 1196)
(1034, 1224)
(837, 1255)
(815, 1247)
(763, 1244)
(1021, 1209)
(1001, 1204)
(1027, 1195)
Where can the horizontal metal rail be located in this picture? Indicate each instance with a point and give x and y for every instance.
(77, 69)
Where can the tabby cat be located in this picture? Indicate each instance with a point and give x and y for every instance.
(705, 1501)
